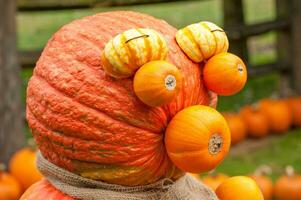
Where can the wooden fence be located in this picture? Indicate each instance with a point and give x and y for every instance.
(287, 25)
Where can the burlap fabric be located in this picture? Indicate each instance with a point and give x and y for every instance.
(185, 188)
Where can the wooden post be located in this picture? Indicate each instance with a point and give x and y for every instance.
(11, 123)
(284, 46)
(296, 37)
(234, 18)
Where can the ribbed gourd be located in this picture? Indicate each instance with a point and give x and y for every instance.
(128, 51)
(201, 41)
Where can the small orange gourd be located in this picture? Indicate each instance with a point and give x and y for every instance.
(278, 114)
(157, 83)
(9, 186)
(256, 121)
(239, 188)
(237, 127)
(264, 182)
(23, 166)
(225, 74)
(128, 51)
(288, 186)
(202, 40)
(197, 139)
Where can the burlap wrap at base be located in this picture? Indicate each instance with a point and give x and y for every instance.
(185, 188)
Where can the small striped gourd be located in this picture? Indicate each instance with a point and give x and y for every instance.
(201, 41)
(128, 51)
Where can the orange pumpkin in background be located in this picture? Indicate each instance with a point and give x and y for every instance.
(157, 83)
(237, 127)
(239, 188)
(9, 186)
(197, 139)
(23, 166)
(225, 74)
(264, 182)
(256, 121)
(72, 99)
(294, 103)
(214, 180)
(43, 190)
(278, 114)
(288, 186)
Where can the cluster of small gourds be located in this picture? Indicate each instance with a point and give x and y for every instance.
(22, 174)
(142, 53)
(265, 117)
(286, 187)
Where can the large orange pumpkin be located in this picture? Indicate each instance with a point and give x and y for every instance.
(278, 114)
(94, 125)
(43, 190)
(10, 188)
(23, 166)
(237, 127)
(239, 188)
(288, 187)
(256, 121)
(197, 139)
(294, 104)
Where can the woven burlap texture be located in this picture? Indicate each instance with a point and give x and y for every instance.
(185, 188)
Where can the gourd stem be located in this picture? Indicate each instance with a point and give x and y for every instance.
(215, 144)
(263, 170)
(136, 38)
(2, 167)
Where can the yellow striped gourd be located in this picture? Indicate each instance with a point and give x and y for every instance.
(126, 52)
(201, 41)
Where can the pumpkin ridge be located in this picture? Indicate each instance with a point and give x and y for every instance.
(93, 158)
(85, 104)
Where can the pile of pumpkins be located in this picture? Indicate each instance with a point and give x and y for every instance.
(265, 117)
(21, 175)
(286, 187)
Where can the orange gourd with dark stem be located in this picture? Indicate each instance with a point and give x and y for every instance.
(294, 103)
(197, 139)
(278, 114)
(23, 166)
(238, 188)
(256, 121)
(10, 188)
(288, 186)
(237, 127)
(225, 74)
(94, 125)
(43, 190)
(157, 83)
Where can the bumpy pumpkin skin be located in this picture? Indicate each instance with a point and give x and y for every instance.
(92, 124)
(43, 190)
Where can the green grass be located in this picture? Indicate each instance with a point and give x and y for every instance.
(281, 151)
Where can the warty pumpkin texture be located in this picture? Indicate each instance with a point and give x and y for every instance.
(94, 125)
(201, 41)
(157, 83)
(128, 51)
(197, 139)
